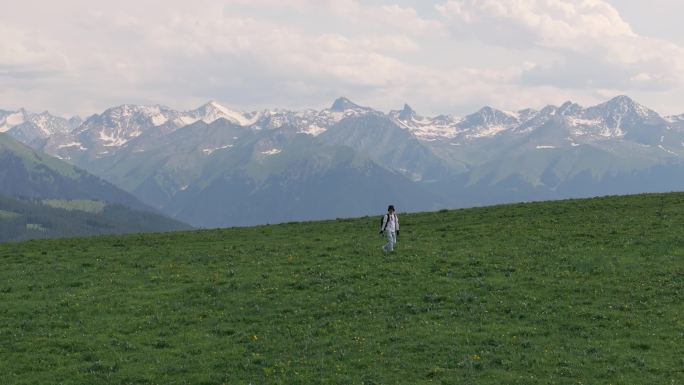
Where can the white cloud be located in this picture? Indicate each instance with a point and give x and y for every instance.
(589, 44)
(402, 18)
(22, 55)
(210, 52)
(390, 17)
(83, 56)
(283, 51)
(548, 23)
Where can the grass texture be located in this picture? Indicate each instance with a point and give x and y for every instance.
(567, 292)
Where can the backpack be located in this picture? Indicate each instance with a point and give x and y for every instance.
(382, 218)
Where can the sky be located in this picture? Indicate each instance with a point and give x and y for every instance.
(441, 57)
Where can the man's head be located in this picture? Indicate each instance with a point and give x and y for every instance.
(390, 208)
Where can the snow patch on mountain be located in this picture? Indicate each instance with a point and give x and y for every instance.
(159, 119)
(574, 121)
(209, 151)
(487, 131)
(109, 140)
(660, 146)
(184, 120)
(428, 129)
(73, 144)
(11, 120)
(313, 130)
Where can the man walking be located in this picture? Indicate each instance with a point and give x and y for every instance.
(390, 226)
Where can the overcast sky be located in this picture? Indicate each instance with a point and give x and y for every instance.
(444, 56)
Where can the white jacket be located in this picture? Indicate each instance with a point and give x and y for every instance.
(393, 224)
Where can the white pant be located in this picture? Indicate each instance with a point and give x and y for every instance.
(391, 240)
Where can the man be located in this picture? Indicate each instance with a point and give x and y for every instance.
(390, 226)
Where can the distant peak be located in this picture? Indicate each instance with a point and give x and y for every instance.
(213, 110)
(213, 104)
(407, 113)
(624, 104)
(217, 107)
(488, 111)
(343, 104)
(622, 99)
(549, 109)
(486, 116)
(569, 108)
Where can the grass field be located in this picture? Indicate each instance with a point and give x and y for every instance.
(571, 292)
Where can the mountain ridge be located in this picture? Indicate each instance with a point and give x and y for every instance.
(134, 117)
(489, 156)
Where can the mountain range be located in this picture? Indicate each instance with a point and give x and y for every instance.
(215, 167)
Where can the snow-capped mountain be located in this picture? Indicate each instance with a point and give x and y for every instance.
(311, 122)
(187, 162)
(620, 115)
(102, 135)
(118, 125)
(488, 122)
(29, 127)
(213, 111)
(614, 119)
(440, 127)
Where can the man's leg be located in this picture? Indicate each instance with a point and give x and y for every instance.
(388, 246)
(391, 240)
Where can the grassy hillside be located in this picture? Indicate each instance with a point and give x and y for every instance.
(571, 292)
(53, 218)
(28, 173)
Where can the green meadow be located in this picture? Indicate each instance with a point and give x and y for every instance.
(568, 292)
